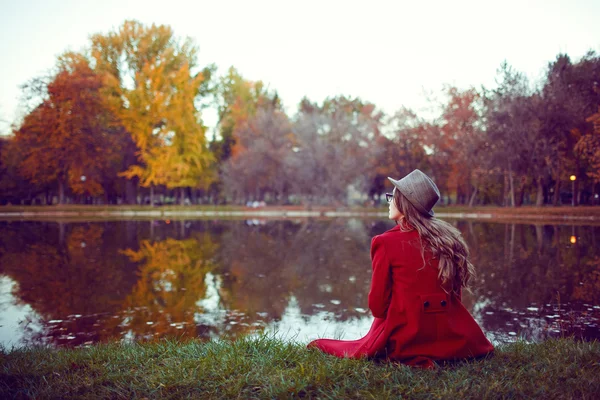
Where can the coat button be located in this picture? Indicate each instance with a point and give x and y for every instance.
(443, 303)
(426, 304)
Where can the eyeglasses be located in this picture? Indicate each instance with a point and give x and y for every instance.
(389, 197)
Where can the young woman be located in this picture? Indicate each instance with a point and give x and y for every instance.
(419, 270)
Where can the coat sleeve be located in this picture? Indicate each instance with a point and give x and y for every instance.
(381, 281)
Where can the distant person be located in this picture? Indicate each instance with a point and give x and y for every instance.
(419, 270)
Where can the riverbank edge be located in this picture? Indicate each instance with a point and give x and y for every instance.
(566, 214)
(263, 367)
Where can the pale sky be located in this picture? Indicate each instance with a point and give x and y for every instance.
(388, 52)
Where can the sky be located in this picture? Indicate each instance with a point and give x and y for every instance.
(392, 53)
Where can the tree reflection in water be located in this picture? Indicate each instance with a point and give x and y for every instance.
(91, 282)
(74, 277)
(170, 281)
(534, 281)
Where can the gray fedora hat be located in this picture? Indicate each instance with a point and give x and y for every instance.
(420, 190)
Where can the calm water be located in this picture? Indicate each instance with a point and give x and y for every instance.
(81, 283)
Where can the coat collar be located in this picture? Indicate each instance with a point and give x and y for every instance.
(397, 229)
(394, 229)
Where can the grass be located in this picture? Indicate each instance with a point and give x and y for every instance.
(264, 367)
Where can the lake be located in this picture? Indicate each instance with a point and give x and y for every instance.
(79, 283)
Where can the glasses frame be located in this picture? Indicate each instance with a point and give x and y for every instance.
(389, 197)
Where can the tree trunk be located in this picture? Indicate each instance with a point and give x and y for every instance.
(106, 196)
(539, 199)
(473, 196)
(521, 194)
(556, 193)
(152, 195)
(182, 196)
(61, 190)
(130, 192)
(511, 185)
(556, 177)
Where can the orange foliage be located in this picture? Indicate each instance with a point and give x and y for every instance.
(67, 136)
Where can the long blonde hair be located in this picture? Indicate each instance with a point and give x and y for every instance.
(443, 240)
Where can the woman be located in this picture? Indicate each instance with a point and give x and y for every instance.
(419, 270)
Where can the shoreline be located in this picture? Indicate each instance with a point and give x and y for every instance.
(586, 215)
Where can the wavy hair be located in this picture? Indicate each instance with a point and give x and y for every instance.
(443, 240)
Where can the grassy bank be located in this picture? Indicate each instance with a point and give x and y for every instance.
(267, 368)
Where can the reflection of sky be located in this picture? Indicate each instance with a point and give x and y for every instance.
(211, 313)
(478, 308)
(294, 326)
(15, 317)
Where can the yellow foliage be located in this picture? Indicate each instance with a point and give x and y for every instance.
(154, 94)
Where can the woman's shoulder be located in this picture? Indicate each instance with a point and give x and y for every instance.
(395, 234)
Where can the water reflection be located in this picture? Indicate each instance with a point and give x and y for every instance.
(81, 283)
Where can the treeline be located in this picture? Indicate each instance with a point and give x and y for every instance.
(121, 123)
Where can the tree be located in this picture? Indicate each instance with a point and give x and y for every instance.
(261, 168)
(155, 87)
(588, 148)
(572, 94)
(336, 146)
(13, 188)
(507, 118)
(67, 139)
(238, 100)
(400, 150)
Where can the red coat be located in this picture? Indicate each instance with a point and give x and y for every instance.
(416, 321)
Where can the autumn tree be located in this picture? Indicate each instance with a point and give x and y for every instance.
(507, 123)
(400, 150)
(237, 101)
(588, 148)
(13, 188)
(155, 87)
(336, 143)
(66, 140)
(260, 168)
(571, 94)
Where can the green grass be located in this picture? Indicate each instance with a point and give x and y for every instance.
(264, 367)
